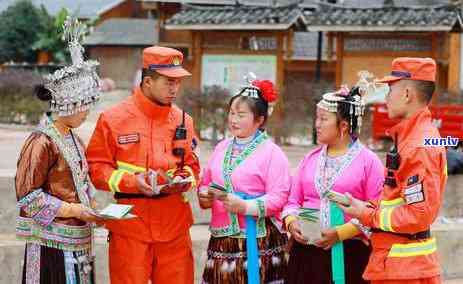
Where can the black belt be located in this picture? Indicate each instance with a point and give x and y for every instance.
(120, 195)
(417, 236)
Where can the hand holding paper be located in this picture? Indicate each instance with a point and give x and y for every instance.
(161, 182)
(329, 239)
(309, 224)
(337, 197)
(87, 214)
(355, 207)
(142, 184)
(177, 184)
(295, 230)
(218, 191)
(205, 198)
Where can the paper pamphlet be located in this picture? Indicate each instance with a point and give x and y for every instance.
(116, 211)
(165, 188)
(310, 224)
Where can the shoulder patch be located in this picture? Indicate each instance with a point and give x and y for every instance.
(414, 194)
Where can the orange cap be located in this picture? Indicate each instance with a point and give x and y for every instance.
(165, 61)
(411, 68)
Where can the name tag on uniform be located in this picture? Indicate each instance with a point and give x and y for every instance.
(128, 138)
(414, 194)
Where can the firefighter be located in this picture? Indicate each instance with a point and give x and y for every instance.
(146, 135)
(404, 250)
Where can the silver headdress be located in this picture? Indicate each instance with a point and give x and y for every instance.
(74, 88)
(259, 89)
(249, 90)
(352, 98)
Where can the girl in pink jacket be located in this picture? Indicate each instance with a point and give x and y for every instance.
(341, 164)
(246, 184)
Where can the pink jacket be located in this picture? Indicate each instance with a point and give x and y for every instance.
(264, 173)
(363, 178)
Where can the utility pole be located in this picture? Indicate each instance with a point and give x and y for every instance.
(318, 73)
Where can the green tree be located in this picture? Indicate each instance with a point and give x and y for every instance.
(21, 25)
(50, 39)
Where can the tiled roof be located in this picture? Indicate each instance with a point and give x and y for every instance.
(311, 3)
(268, 3)
(395, 3)
(347, 15)
(265, 3)
(124, 32)
(235, 18)
(83, 9)
(433, 18)
(208, 2)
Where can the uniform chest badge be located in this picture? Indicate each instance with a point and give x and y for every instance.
(128, 138)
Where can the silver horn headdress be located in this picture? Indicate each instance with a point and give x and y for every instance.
(74, 88)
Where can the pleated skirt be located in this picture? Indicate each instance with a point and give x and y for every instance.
(46, 265)
(227, 259)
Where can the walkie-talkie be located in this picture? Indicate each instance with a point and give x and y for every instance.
(392, 164)
(179, 141)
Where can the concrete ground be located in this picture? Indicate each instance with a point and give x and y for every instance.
(12, 138)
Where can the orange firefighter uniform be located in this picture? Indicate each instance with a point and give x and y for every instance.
(403, 249)
(132, 137)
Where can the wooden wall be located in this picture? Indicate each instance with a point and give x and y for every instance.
(443, 47)
(118, 63)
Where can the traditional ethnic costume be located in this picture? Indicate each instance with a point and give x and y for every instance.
(52, 180)
(248, 248)
(358, 172)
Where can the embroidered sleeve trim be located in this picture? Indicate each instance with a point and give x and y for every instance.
(40, 206)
